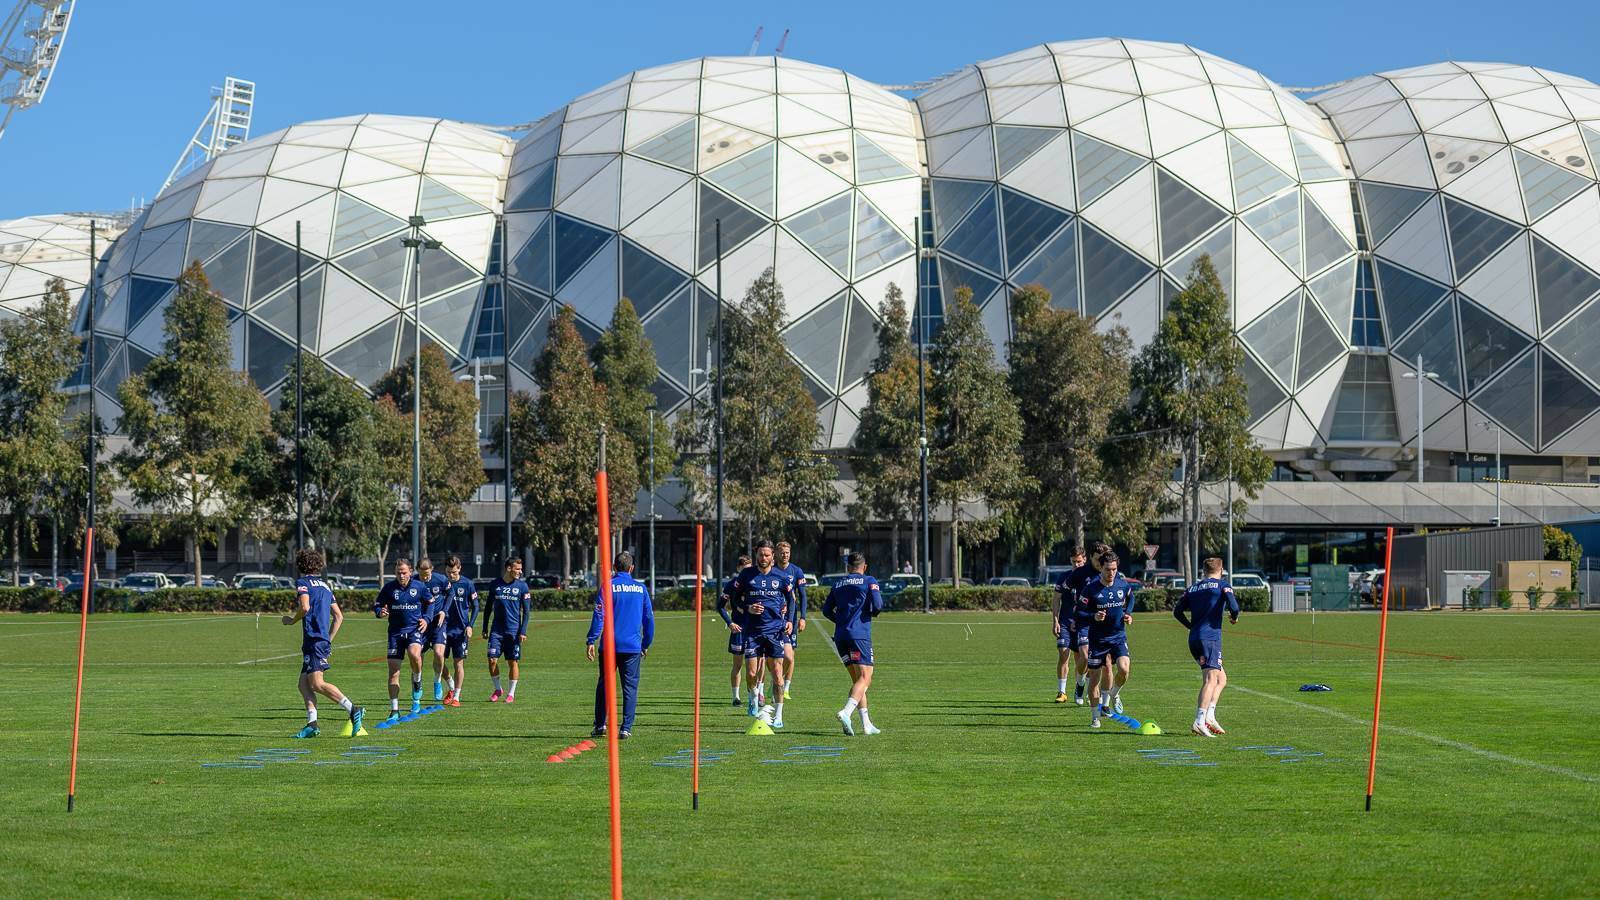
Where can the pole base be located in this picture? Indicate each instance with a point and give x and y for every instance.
(69, 803)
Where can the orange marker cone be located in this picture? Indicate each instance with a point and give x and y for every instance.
(554, 758)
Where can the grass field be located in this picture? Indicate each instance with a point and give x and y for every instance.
(1489, 778)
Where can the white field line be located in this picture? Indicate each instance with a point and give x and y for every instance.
(1432, 738)
(118, 626)
(251, 662)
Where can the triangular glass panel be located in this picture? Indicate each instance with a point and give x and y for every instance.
(575, 242)
(144, 295)
(1487, 343)
(738, 224)
(274, 267)
(1014, 144)
(1474, 236)
(878, 243)
(532, 262)
(489, 339)
(539, 193)
(1436, 341)
(1254, 179)
(227, 273)
(1100, 166)
(382, 266)
(1320, 344)
(1510, 399)
(1546, 185)
(1564, 398)
(1324, 242)
(954, 276)
(440, 271)
(1313, 167)
(1563, 285)
(951, 200)
(875, 164)
(355, 223)
(1278, 225)
(977, 240)
(750, 177)
(137, 359)
(1335, 290)
(1218, 246)
(206, 239)
(1386, 206)
(113, 365)
(1028, 224)
(671, 334)
(818, 339)
(408, 344)
(1272, 337)
(440, 202)
(1185, 213)
(529, 345)
(1406, 297)
(523, 312)
(450, 317)
(1577, 339)
(369, 357)
(860, 343)
(646, 280)
(1054, 268)
(269, 356)
(826, 230)
(675, 147)
(1263, 393)
(1109, 271)
(279, 312)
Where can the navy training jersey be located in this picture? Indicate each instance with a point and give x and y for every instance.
(436, 583)
(505, 610)
(1115, 599)
(772, 589)
(630, 611)
(1070, 586)
(408, 605)
(797, 610)
(1205, 601)
(460, 602)
(851, 606)
(319, 609)
(725, 605)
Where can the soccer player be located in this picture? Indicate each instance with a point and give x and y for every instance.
(797, 612)
(1205, 600)
(762, 595)
(405, 602)
(317, 609)
(505, 621)
(636, 630)
(851, 607)
(1109, 598)
(735, 630)
(1064, 624)
(460, 608)
(435, 582)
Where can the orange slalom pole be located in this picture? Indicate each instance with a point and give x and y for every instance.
(83, 639)
(699, 583)
(608, 666)
(1383, 634)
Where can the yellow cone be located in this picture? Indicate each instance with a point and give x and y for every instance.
(759, 727)
(345, 732)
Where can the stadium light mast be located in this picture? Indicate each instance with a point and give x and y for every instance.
(225, 125)
(505, 369)
(299, 403)
(31, 38)
(720, 570)
(417, 242)
(1420, 374)
(922, 414)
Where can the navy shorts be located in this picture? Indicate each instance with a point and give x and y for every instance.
(454, 643)
(1106, 650)
(763, 646)
(793, 637)
(736, 643)
(506, 643)
(314, 656)
(399, 641)
(1208, 653)
(1072, 636)
(854, 653)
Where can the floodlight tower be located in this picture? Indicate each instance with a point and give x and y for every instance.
(31, 38)
(226, 125)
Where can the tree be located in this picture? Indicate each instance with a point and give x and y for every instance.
(887, 464)
(452, 465)
(1074, 379)
(774, 477)
(1191, 408)
(975, 459)
(557, 435)
(189, 418)
(1559, 544)
(37, 456)
(625, 363)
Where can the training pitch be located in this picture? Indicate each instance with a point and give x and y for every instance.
(980, 785)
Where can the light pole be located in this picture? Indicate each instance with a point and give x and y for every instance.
(417, 243)
(478, 377)
(505, 369)
(1419, 374)
(721, 571)
(299, 404)
(1486, 425)
(922, 417)
(652, 442)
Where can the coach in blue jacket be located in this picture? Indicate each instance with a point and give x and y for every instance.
(636, 630)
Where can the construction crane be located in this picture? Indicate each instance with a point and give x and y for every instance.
(31, 38)
(226, 125)
(781, 42)
(755, 42)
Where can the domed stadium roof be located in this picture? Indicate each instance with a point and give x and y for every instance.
(38, 248)
(1478, 184)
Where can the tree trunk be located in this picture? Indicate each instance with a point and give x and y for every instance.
(894, 546)
(955, 546)
(566, 557)
(16, 553)
(1044, 560)
(194, 548)
(423, 531)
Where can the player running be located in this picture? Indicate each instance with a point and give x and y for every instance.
(735, 630)
(435, 582)
(459, 602)
(797, 612)
(405, 602)
(505, 621)
(636, 630)
(762, 594)
(1109, 597)
(1070, 640)
(317, 609)
(851, 607)
(1205, 600)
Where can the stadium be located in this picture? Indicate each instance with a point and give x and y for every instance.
(1448, 212)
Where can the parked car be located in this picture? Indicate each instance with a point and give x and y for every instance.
(145, 582)
(283, 581)
(1247, 580)
(373, 584)
(687, 581)
(255, 581)
(1009, 581)
(831, 579)
(1156, 577)
(206, 581)
(1366, 582)
(1174, 582)
(539, 581)
(898, 584)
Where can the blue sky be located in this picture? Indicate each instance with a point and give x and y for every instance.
(135, 77)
